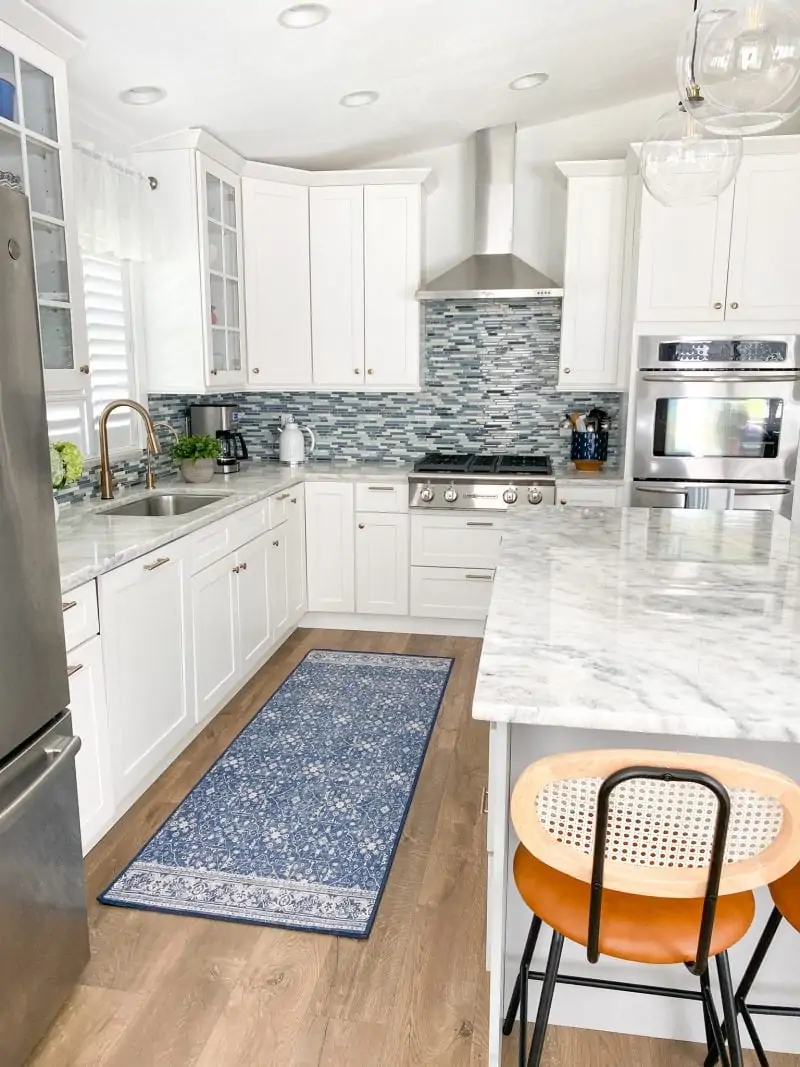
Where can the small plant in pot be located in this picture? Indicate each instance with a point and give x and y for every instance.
(197, 457)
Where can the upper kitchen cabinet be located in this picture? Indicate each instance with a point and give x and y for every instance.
(35, 146)
(593, 276)
(730, 260)
(277, 282)
(194, 296)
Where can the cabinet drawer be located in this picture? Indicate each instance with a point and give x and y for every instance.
(455, 541)
(377, 496)
(278, 508)
(248, 523)
(81, 620)
(587, 496)
(209, 545)
(451, 592)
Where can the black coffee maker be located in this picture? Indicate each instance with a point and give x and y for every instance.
(220, 421)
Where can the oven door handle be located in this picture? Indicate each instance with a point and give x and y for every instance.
(700, 376)
(659, 489)
(783, 491)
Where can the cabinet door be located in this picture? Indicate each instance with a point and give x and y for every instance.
(87, 702)
(214, 631)
(277, 582)
(392, 262)
(455, 541)
(221, 249)
(277, 282)
(330, 546)
(593, 282)
(683, 260)
(763, 277)
(145, 621)
(296, 555)
(255, 616)
(382, 564)
(337, 284)
(451, 593)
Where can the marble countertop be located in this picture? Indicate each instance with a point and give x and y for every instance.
(91, 542)
(649, 620)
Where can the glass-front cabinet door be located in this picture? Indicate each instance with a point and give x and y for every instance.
(221, 242)
(35, 153)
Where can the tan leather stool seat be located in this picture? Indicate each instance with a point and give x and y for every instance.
(786, 895)
(637, 928)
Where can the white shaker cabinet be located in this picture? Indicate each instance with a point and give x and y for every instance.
(254, 608)
(215, 634)
(278, 591)
(683, 260)
(593, 273)
(763, 275)
(382, 563)
(330, 546)
(337, 284)
(145, 621)
(392, 259)
(87, 702)
(296, 554)
(277, 282)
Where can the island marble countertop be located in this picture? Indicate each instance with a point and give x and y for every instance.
(647, 620)
(91, 542)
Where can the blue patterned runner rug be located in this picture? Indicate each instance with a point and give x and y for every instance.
(297, 822)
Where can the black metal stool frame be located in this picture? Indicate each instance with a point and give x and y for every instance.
(747, 1011)
(715, 1032)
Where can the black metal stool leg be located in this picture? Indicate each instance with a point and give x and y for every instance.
(523, 1012)
(761, 1055)
(717, 1050)
(527, 956)
(729, 1009)
(546, 999)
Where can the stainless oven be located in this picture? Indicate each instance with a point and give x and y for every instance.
(721, 410)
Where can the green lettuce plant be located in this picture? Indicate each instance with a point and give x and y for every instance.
(197, 447)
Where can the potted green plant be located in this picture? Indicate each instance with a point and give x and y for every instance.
(66, 466)
(196, 456)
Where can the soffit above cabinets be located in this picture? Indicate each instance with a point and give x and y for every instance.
(442, 68)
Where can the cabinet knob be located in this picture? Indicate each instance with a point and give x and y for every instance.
(361, 526)
(276, 543)
(236, 570)
(566, 370)
(370, 370)
(84, 368)
(718, 305)
(214, 372)
(256, 370)
(734, 305)
(243, 566)
(356, 370)
(294, 499)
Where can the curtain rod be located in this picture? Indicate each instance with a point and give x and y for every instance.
(116, 164)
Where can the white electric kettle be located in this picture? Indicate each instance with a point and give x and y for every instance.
(292, 446)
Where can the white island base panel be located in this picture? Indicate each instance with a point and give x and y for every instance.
(512, 748)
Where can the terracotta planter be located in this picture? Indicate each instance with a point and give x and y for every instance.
(198, 470)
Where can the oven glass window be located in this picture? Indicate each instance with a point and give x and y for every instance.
(723, 350)
(718, 427)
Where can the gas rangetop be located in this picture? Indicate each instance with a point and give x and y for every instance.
(466, 481)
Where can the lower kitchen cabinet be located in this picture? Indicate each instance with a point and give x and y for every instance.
(277, 584)
(589, 496)
(254, 608)
(451, 592)
(382, 564)
(330, 546)
(215, 632)
(296, 555)
(87, 702)
(146, 626)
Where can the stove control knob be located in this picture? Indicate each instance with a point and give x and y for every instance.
(426, 495)
(451, 494)
(534, 495)
(510, 496)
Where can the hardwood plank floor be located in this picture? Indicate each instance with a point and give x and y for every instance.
(168, 991)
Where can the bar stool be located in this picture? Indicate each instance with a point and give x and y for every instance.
(648, 857)
(786, 898)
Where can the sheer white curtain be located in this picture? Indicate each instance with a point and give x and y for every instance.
(111, 206)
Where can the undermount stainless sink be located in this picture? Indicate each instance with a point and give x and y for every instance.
(164, 505)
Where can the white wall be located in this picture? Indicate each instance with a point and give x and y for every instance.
(540, 206)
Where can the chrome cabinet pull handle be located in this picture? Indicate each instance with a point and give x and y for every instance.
(74, 670)
(156, 564)
(380, 488)
(479, 577)
(282, 496)
(490, 524)
(68, 605)
(485, 800)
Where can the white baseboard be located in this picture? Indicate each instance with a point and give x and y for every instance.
(398, 624)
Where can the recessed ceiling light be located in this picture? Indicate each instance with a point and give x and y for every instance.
(143, 94)
(359, 99)
(303, 16)
(529, 81)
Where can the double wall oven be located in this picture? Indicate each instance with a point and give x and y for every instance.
(717, 423)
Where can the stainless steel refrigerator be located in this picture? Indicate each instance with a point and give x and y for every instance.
(43, 929)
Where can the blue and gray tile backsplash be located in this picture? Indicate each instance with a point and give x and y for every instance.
(491, 370)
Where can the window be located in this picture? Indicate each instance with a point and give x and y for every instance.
(109, 298)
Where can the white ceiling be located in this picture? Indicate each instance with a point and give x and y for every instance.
(442, 68)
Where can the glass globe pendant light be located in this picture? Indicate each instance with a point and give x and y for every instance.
(739, 65)
(683, 164)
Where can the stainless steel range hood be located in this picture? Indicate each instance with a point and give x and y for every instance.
(493, 272)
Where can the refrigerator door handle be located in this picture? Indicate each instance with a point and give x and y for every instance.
(58, 752)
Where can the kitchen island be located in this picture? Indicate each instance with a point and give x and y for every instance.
(637, 628)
